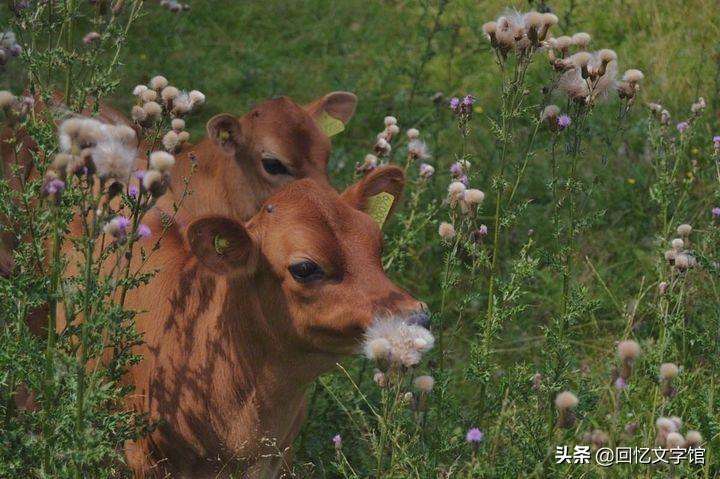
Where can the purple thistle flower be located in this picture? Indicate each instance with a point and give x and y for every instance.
(716, 141)
(474, 435)
(337, 440)
(563, 121)
(133, 191)
(143, 231)
(716, 212)
(468, 100)
(682, 126)
(454, 103)
(464, 180)
(456, 169)
(426, 171)
(122, 223)
(140, 174)
(483, 230)
(54, 186)
(620, 384)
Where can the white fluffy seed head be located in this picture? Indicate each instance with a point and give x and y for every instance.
(456, 189)
(473, 196)
(158, 82)
(182, 103)
(148, 95)
(392, 129)
(418, 149)
(151, 178)
(533, 20)
(124, 134)
(446, 230)
(628, 350)
(139, 89)
(550, 19)
(693, 438)
(424, 383)
(633, 75)
(161, 161)
(153, 110)
(170, 140)
(489, 28)
(566, 400)
(563, 42)
(402, 339)
(196, 97)
(413, 133)
(550, 112)
(669, 370)
(383, 146)
(169, 93)
(113, 159)
(61, 161)
(665, 424)
(580, 59)
(674, 440)
(178, 124)
(7, 99)
(390, 120)
(138, 113)
(677, 420)
(78, 133)
(677, 244)
(184, 136)
(606, 55)
(581, 39)
(683, 261)
(684, 230)
(378, 349)
(370, 161)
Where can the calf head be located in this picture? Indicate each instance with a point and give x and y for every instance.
(279, 140)
(315, 258)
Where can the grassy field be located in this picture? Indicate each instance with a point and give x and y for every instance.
(399, 57)
(395, 56)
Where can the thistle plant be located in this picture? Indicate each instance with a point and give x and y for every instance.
(75, 200)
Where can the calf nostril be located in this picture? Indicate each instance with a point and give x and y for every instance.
(421, 318)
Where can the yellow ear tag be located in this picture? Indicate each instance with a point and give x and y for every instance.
(378, 207)
(221, 244)
(329, 125)
(223, 136)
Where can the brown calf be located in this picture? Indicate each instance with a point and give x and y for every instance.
(242, 317)
(242, 161)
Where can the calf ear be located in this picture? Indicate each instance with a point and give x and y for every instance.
(332, 111)
(378, 193)
(224, 129)
(223, 245)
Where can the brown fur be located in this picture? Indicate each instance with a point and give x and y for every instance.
(230, 348)
(230, 179)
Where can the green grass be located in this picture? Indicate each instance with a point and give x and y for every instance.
(241, 53)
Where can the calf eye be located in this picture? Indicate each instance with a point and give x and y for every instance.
(273, 166)
(306, 271)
